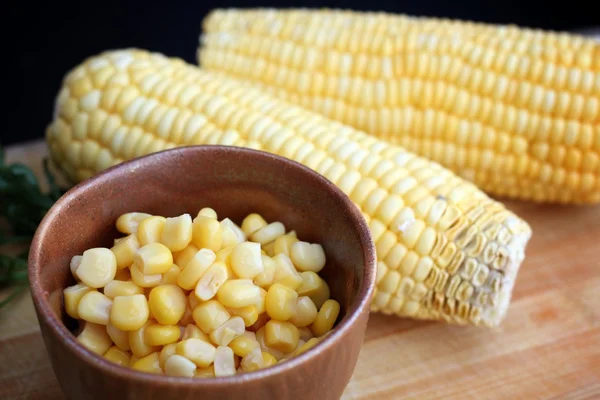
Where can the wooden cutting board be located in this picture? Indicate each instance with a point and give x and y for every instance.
(547, 348)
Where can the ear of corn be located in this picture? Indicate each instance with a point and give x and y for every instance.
(446, 251)
(516, 111)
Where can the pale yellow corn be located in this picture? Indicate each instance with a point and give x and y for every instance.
(144, 281)
(137, 341)
(246, 260)
(265, 278)
(224, 362)
(165, 353)
(515, 110)
(128, 223)
(305, 333)
(248, 313)
(308, 256)
(129, 313)
(253, 360)
(195, 268)
(214, 277)
(260, 338)
(118, 356)
(209, 315)
(281, 302)
(268, 233)
(178, 365)
(268, 359)
(148, 364)
(121, 288)
(167, 304)
(73, 265)
(252, 223)
(326, 317)
(123, 275)
(177, 232)
(153, 259)
(207, 233)
(283, 245)
(198, 351)
(94, 307)
(305, 313)
(120, 338)
(314, 287)
(231, 233)
(72, 296)
(434, 232)
(236, 293)
(282, 336)
(161, 335)
(125, 250)
(149, 229)
(227, 331)
(170, 277)
(285, 272)
(207, 212)
(98, 266)
(94, 338)
(192, 331)
(207, 372)
(243, 345)
(184, 256)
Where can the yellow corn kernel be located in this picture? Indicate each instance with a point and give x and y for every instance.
(148, 364)
(123, 274)
(253, 361)
(269, 249)
(197, 351)
(307, 256)
(249, 314)
(252, 223)
(265, 278)
(144, 281)
(214, 277)
(193, 300)
(160, 335)
(170, 277)
(117, 356)
(306, 312)
(224, 362)
(178, 365)
(72, 297)
(176, 233)
(120, 288)
(260, 338)
(246, 260)
(305, 333)
(283, 245)
(149, 230)
(183, 257)
(310, 343)
(193, 271)
(128, 223)
(237, 293)
(125, 250)
(207, 372)
(228, 331)
(232, 234)
(326, 317)
(281, 302)
(167, 304)
(260, 304)
(268, 233)
(314, 287)
(94, 307)
(210, 315)
(243, 345)
(282, 336)
(73, 265)
(268, 359)
(98, 267)
(224, 255)
(119, 337)
(192, 331)
(129, 313)
(166, 352)
(206, 233)
(137, 341)
(207, 212)
(95, 338)
(285, 272)
(153, 258)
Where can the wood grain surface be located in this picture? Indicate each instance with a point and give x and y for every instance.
(547, 348)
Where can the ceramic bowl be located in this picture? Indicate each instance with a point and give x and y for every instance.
(235, 182)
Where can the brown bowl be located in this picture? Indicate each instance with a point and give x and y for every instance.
(235, 182)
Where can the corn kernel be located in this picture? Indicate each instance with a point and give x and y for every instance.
(197, 351)
(149, 230)
(252, 223)
(125, 250)
(224, 254)
(117, 356)
(268, 249)
(263, 318)
(228, 331)
(166, 352)
(120, 288)
(281, 302)
(193, 300)
(148, 364)
(224, 362)
(282, 336)
(232, 234)
(128, 223)
(183, 257)
(72, 297)
(214, 277)
(305, 333)
(206, 233)
(207, 212)
(137, 341)
(94, 307)
(153, 258)
(268, 359)
(314, 287)
(129, 313)
(178, 365)
(253, 360)
(193, 271)
(73, 265)
(160, 335)
(268, 233)
(326, 317)
(249, 314)
(246, 260)
(144, 281)
(310, 343)
(170, 277)
(237, 293)
(243, 345)
(283, 245)
(94, 338)
(210, 315)
(307, 256)
(306, 312)
(192, 331)
(265, 278)
(260, 338)
(119, 337)
(98, 267)
(207, 372)
(176, 234)
(285, 273)
(261, 303)
(167, 304)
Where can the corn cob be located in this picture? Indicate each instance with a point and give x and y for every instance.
(446, 250)
(514, 110)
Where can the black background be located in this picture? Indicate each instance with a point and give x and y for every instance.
(42, 42)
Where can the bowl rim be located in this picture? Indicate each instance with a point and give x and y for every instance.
(56, 327)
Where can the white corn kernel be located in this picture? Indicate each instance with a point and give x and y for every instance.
(128, 223)
(252, 223)
(228, 331)
(246, 260)
(177, 232)
(214, 277)
(268, 233)
(153, 259)
(95, 307)
(195, 268)
(178, 365)
(232, 234)
(98, 267)
(307, 256)
(285, 273)
(74, 264)
(224, 362)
